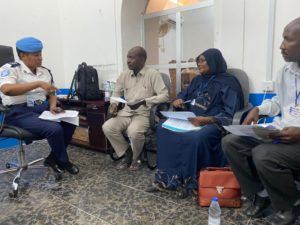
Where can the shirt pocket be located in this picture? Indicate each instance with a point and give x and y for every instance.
(147, 89)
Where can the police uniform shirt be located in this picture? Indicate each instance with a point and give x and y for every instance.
(21, 74)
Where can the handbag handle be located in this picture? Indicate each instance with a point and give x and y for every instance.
(218, 168)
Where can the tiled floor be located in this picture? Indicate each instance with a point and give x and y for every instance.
(99, 194)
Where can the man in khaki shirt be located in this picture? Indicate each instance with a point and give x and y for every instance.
(141, 87)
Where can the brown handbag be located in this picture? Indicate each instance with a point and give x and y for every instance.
(219, 182)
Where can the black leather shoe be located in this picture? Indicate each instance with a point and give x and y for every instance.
(50, 161)
(70, 167)
(258, 207)
(283, 218)
(155, 187)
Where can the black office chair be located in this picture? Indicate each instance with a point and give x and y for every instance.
(23, 136)
(149, 151)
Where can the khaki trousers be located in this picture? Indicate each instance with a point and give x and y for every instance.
(135, 127)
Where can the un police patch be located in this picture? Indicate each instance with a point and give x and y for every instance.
(5, 73)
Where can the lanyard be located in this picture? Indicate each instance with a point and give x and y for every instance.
(297, 93)
(204, 86)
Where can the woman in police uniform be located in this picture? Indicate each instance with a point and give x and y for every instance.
(25, 88)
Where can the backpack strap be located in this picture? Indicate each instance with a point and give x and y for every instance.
(52, 81)
(70, 95)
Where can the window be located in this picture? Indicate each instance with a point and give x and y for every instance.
(174, 37)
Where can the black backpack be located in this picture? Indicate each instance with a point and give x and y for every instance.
(85, 83)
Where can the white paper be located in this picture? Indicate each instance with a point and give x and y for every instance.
(178, 125)
(258, 131)
(118, 99)
(69, 116)
(182, 115)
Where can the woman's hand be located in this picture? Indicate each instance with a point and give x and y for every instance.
(178, 103)
(252, 116)
(201, 120)
(55, 110)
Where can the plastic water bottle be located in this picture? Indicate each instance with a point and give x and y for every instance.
(214, 212)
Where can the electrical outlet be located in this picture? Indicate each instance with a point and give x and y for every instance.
(268, 86)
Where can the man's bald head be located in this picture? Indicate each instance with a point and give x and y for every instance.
(140, 51)
(290, 46)
(136, 58)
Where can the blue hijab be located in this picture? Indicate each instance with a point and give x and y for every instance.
(216, 93)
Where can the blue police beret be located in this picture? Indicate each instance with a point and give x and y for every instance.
(29, 44)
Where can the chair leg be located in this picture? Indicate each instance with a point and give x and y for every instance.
(21, 166)
(15, 184)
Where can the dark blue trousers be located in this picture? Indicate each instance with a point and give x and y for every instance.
(57, 134)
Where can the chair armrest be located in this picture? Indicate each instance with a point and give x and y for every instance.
(240, 115)
(154, 112)
(3, 109)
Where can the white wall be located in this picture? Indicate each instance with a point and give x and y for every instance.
(88, 33)
(101, 32)
(72, 31)
(242, 35)
(32, 18)
(131, 25)
(197, 32)
(286, 11)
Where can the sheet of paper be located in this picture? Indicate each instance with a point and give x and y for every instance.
(70, 116)
(178, 125)
(118, 99)
(182, 115)
(72, 120)
(258, 131)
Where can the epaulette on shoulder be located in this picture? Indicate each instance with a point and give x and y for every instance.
(14, 64)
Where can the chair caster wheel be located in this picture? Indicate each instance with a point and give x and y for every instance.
(13, 194)
(7, 165)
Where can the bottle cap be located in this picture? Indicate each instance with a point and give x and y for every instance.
(215, 199)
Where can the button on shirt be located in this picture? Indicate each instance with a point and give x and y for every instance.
(147, 84)
(285, 99)
(21, 75)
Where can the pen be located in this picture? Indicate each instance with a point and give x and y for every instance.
(187, 101)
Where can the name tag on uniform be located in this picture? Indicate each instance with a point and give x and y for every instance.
(30, 101)
(295, 111)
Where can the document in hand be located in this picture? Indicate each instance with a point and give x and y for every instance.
(258, 131)
(178, 121)
(69, 116)
(118, 99)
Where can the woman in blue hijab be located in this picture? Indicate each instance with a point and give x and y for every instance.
(214, 96)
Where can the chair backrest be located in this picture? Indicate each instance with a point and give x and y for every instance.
(6, 55)
(167, 82)
(244, 81)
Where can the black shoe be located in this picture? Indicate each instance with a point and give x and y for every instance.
(124, 163)
(126, 160)
(50, 161)
(258, 207)
(155, 187)
(70, 167)
(283, 218)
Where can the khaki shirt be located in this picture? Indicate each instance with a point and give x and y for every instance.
(147, 84)
(19, 75)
